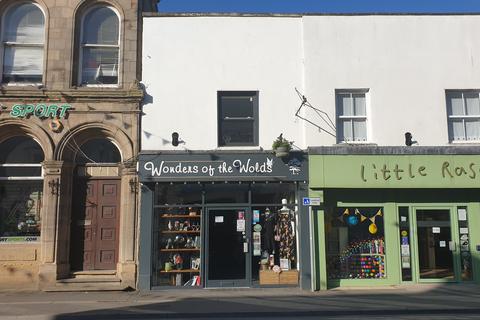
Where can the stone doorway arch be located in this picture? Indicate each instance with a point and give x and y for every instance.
(116, 176)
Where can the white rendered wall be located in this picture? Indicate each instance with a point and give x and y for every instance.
(406, 62)
(186, 60)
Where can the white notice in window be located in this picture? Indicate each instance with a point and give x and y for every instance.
(218, 219)
(462, 214)
(240, 225)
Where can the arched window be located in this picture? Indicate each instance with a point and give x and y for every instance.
(23, 40)
(99, 47)
(21, 189)
(98, 151)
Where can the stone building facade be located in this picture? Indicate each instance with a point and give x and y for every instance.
(69, 135)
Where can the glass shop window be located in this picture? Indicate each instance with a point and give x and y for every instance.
(465, 254)
(405, 246)
(226, 193)
(274, 245)
(263, 193)
(178, 194)
(20, 207)
(21, 189)
(355, 243)
(176, 234)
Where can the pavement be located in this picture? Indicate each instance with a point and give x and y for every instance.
(446, 301)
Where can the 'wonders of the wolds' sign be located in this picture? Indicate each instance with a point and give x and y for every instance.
(221, 167)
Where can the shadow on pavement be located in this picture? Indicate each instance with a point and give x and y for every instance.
(444, 301)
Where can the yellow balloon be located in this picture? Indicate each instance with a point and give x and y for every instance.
(372, 228)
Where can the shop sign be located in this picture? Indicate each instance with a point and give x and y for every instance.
(417, 171)
(40, 110)
(223, 166)
(18, 239)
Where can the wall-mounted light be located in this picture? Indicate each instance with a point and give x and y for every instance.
(409, 139)
(133, 185)
(54, 186)
(175, 140)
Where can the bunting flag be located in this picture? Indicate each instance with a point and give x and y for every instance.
(378, 214)
(362, 217)
(345, 213)
(357, 212)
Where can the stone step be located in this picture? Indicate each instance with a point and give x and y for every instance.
(91, 279)
(95, 280)
(86, 286)
(90, 273)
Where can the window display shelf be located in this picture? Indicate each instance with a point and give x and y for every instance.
(181, 271)
(181, 231)
(180, 250)
(181, 216)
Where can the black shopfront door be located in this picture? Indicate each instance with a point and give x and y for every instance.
(228, 247)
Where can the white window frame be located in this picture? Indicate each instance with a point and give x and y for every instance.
(5, 44)
(344, 119)
(461, 117)
(82, 45)
(22, 165)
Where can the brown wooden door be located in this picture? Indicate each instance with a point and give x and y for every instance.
(95, 225)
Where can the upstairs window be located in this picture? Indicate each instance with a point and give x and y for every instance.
(237, 118)
(351, 116)
(23, 40)
(99, 47)
(463, 109)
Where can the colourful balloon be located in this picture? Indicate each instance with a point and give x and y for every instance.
(352, 220)
(372, 228)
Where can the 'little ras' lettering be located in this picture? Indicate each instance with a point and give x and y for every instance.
(40, 110)
(396, 172)
(452, 171)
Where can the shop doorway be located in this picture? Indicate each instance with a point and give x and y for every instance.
(228, 247)
(95, 207)
(95, 225)
(435, 245)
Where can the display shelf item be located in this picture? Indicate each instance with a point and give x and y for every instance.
(180, 250)
(177, 247)
(179, 216)
(177, 232)
(181, 271)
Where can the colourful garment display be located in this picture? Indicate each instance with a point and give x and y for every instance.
(286, 235)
